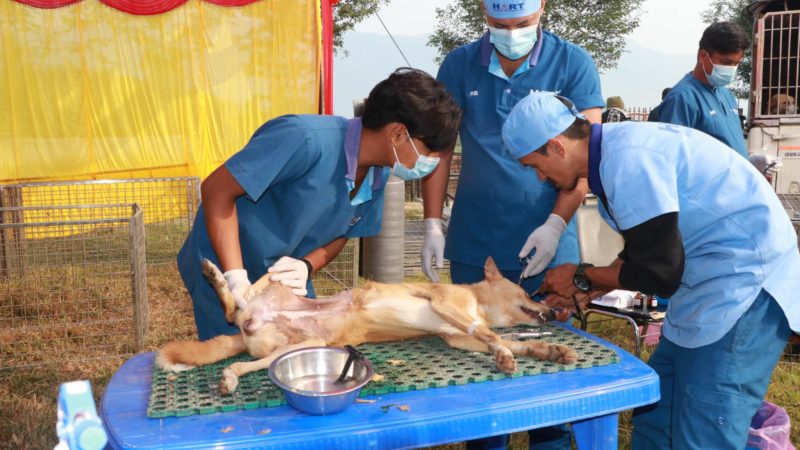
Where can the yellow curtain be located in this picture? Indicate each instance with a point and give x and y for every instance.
(90, 92)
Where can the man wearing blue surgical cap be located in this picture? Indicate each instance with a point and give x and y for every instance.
(701, 226)
(500, 210)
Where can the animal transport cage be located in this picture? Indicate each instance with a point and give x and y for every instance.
(776, 74)
(169, 205)
(72, 283)
(774, 122)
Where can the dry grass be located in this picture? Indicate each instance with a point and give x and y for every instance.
(28, 396)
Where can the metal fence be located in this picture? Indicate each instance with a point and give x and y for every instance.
(414, 228)
(339, 274)
(169, 205)
(638, 113)
(72, 284)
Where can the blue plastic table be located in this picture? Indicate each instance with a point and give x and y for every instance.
(589, 398)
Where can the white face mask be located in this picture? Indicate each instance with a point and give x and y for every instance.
(514, 44)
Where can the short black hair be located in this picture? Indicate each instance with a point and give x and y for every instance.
(664, 92)
(579, 129)
(415, 99)
(725, 38)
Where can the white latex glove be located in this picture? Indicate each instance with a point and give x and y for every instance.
(238, 284)
(292, 273)
(545, 240)
(766, 164)
(432, 247)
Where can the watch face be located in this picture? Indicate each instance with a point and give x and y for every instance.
(581, 282)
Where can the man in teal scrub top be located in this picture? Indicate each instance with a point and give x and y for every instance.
(702, 227)
(500, 210)
(289, 200)
(702, 100)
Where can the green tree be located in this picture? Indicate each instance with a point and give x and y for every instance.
(598, 26)
(347, 14)
(734, 11)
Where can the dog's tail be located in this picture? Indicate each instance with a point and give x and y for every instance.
(185, 355)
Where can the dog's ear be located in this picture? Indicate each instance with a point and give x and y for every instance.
(490, 271)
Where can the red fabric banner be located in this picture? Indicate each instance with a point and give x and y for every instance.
(137, 7)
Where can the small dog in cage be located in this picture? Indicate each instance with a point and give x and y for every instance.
(273, 321)
(782, 104)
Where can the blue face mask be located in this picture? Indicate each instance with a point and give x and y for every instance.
(423, 166)
(720, 75)
(514, 44)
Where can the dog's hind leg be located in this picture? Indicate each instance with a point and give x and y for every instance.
(184, 355)
(217, 280)
(454, 310)
(231, 374)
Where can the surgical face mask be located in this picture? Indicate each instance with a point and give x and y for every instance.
(423, 166)
(720, 75)
(513, 44)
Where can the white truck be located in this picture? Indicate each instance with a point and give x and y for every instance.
(774, 120)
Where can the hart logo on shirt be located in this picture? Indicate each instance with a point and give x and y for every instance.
(473, 93)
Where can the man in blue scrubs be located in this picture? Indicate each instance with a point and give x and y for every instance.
(289, 200)
(702, 227)
(487, 78)
(701, 99)
(500, 210)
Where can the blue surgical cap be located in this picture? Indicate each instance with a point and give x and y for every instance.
(511, 9)
(536, 119)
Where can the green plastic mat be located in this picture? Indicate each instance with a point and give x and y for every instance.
(405, 365)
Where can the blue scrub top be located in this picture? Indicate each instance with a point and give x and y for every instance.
(499, 202)
(294, 174)
(711, 110)
(736, 235)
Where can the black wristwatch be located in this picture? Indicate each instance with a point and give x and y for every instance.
(579, 279)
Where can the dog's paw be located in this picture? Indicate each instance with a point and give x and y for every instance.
(562, 354)
(229, 381)
(504, 359)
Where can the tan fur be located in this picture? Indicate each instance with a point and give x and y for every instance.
(274, 322)
(781, 104)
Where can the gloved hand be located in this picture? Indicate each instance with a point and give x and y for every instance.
(238, 284)
(432, 246)
(766, 164)
(292, 273)
(545, 240)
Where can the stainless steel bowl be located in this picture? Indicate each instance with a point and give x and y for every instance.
(308, 378)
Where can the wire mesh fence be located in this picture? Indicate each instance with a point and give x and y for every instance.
(339, 274)
(169, 205)
(72, 283)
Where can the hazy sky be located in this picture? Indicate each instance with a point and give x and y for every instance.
(667, 27)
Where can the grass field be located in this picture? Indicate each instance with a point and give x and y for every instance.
(28, 396)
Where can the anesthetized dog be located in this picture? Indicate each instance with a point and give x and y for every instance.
(274, 321)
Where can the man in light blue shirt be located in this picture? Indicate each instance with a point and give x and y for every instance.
(702, 227)
(289, 200)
